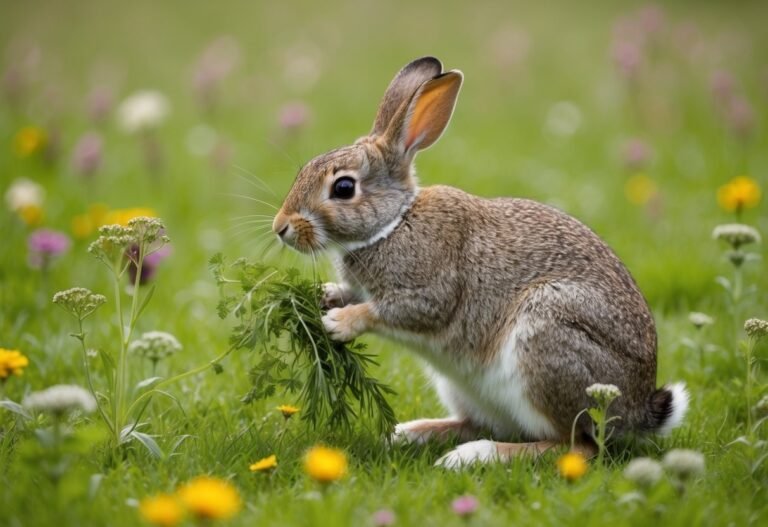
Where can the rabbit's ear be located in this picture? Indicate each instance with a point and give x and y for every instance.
(402, 88)
(427, 115)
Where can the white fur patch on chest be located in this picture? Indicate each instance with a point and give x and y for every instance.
(494, 396)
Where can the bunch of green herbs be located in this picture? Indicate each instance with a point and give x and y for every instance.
(279, 316)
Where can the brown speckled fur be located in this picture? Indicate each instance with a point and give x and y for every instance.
(458, 272)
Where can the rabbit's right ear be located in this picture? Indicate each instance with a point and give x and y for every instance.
(402, 88)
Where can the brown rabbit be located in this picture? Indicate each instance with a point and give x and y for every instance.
(516, 307)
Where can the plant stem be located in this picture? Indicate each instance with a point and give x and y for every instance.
(748, 389)
(601, 424)
(118, 392)
(81, 338)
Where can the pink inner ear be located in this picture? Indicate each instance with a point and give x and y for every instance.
(431, 110)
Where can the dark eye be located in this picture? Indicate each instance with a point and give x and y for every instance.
(343, 188)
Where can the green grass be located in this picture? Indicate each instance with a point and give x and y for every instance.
(496, 145)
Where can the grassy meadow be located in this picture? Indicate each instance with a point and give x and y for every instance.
(634, 118)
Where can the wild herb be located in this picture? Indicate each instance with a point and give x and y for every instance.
(279, 317)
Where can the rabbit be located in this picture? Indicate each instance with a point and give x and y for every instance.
(515, 307)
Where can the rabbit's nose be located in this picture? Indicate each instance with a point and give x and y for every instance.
(283, 231)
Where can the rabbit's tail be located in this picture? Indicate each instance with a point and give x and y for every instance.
(667, 407)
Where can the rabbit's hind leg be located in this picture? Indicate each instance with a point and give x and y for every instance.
(485, 451)
(423, 430)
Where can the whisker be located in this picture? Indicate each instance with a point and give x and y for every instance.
(251, 199)
(247, 216)
(254, 180)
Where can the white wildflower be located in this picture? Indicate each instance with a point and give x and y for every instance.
(699, 320)
(603, 393)
(736, 234)
(643, 471)
(60, 399)
(563, 119)
(684, 463)
(756, 328)
(155, 345)
(142, 111)
(79, 301)
(24, 193)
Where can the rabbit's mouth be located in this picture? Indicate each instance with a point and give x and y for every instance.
(297, 232)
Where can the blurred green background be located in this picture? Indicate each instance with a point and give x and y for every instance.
(628, 116)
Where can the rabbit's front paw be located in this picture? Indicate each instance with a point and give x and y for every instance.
(347, 323)
(482, 451)
(333, 296)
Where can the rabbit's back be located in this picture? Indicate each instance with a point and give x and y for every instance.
(473, 261)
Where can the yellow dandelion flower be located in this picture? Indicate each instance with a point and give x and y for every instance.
(640, 189)
(29, 141)
(84, 225)
(262, 465)
(163, 510)
(32, 215)
(12, 362)
(572, 466)
(738, 194)
(325, 464)
(287, 410)
(210, 498)
(123, 216)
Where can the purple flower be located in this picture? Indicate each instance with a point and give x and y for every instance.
(44, 245)
(216, 62)
(739, 116)
(636, 154)
(100, 101)
(722, 85)
(383, 518)
(86, 158)
(628, 57)
(293, 116)
(150, 265)
(651, 19)
(465, 505)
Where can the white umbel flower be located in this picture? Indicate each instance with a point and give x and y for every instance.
(143, 110)
(684, 463)
(644, 471)
(24, 193)
(736, 234)
(155, 345)
(756, 328)
(60, 399)
(699, 320)
(603, 393)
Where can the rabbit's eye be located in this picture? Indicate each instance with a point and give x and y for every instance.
(343, 188)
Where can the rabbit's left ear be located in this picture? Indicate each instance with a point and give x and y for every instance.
(427, 115)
